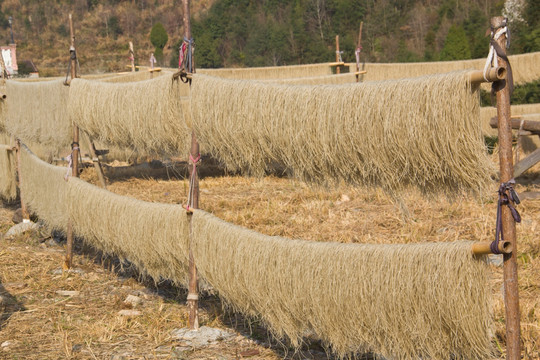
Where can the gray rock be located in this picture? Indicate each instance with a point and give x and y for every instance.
(21, 228)
(202, 337)
(17, 216)
(133, 300)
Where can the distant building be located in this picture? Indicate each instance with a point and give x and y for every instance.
(9, 54)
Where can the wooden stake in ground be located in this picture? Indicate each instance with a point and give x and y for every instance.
(74, 149)
(193, 287)
(511, 296)
(357, 52)
(194, 156)
(338, 55)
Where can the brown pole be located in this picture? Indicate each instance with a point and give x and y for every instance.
(193, 288)
(358, 46)
(24, 209)
(338, 70)
(68, 261)
(511, 296)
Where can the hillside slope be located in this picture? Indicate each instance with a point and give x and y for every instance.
(262, 32)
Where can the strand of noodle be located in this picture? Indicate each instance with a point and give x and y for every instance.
(421, 131)
(44, 189)
(400, 301)
(152, 236)
(145, 115)
(8, 182)
(36, 112)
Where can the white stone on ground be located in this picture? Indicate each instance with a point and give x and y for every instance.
(202, 337)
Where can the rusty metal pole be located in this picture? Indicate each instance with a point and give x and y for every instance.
(24, 209)
(511, 296)
(358, 47)
(68, 261)
(338, 70)
(193, 287)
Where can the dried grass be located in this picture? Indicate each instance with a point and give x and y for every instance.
(43, 189)
(145, 115)
(8, 182)
(399, 301)
(152, 236)
(270, 72)
(422, 132)
(37, 112)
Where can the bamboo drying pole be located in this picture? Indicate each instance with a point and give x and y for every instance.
(193, 288)
(358, 47)
(338, 70)
(24, 209)
(511, 296)
(494, 74)
(484, 248)
(68, 261)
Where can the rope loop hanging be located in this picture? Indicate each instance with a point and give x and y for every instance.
(508, 197)
(494, 51)
(185, 56)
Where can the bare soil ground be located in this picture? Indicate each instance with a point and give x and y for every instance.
(38, 322)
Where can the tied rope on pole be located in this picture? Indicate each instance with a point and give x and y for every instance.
(357, 54)
(194, 161)
(72, 56)
(508, 197)
(74, 146)
(340, 59)
(494, 51)
(185, 57)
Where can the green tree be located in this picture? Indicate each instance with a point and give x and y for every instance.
(456, 45)
(158, 38)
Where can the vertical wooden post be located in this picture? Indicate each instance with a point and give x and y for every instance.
(68, 261)
(24, 209)
(193, 288)
(338, 69)
(358, 47)
(95, 161)
(511, 296)
(132, 56)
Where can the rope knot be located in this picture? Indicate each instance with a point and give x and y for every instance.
(508, 197)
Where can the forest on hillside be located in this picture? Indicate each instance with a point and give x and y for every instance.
(239, 33)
